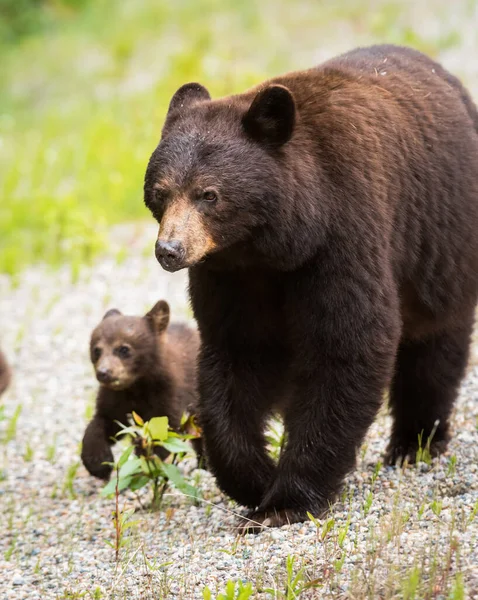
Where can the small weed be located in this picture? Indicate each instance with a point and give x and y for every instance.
(51, 451)
(451, 470)
(11, 549)
(11, 428)
(363, 451)
(28, 455)
(458, 588)
(376, 471)
(121, 518)
(343, 531)
(436, 507)
(339, 562)
(54, 491)
(295, 582)
(69, 480)
(421, 510)
(235, 590)
(37, 567)
(367, 504)
(136, 472)
(275, 437)
(410, 583)
(423, 453)
(473, 514)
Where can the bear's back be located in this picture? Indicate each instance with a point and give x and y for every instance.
(395, 137)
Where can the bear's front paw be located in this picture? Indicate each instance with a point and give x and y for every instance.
(399, 451)
(98, 465)
(257, 521)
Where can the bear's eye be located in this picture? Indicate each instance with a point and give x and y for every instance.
(123, 351)
(160, 195)
(96, 353)
(209, 196)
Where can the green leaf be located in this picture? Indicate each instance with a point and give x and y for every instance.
(124, 483)
(176, 445)
(110, 487)
(138, 482)
(132, 431)
(206, 594)
(174, 475)
(131, 467)
(137, 419)
(158, 427)
(124, 457)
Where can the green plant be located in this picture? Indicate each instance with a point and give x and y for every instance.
(121, 518)
(51, 450)
(423, 453)
(275, 436)
(11, 426)
(135, 472)
(235, 590)
(451, 469)
(295, 584)
(436, 507)
(28, 455)
(69, 480)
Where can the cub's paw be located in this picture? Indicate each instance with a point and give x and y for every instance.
(97, 465)
(257, 521)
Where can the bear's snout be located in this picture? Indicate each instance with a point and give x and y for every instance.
(170, 254)
(104, 375)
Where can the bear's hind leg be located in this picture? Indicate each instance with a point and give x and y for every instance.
(426, 382)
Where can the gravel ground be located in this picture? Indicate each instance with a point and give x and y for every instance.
(411, 527)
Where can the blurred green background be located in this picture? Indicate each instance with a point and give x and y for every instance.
(84, 85)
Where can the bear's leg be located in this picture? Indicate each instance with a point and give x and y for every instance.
(328, 421)
(232, 423)
(96, 446)
(347, 333)
(424, 388)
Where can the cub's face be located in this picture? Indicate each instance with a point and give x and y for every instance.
(124, 349)
(210, 182)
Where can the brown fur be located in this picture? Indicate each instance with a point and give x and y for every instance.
(144, 365)
(5, 375)
(345, 262)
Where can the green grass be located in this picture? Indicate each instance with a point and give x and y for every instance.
(82, 101)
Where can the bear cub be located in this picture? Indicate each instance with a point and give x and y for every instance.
(4, 373)
(145, 365)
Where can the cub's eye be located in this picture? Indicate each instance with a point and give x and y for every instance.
(96, 353)
(123, 351)
(209, 196)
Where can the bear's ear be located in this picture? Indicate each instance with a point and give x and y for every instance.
(111, 313)
(271, 116)
(188, 94)
(158, 316)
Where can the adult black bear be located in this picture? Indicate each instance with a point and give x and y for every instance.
(329, 221)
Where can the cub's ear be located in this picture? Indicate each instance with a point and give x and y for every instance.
(158, 316)
(271, 116)
(187, 95)
(111, 313)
